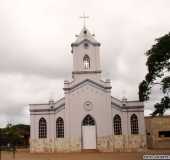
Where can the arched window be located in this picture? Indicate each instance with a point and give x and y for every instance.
(86, 62)
(42, 128)
(117, 125)
(134, 124)
(88, 121)
(60, 128)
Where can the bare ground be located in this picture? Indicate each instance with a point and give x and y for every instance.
(25, 155)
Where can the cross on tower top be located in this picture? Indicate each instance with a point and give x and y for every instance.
(84, 18)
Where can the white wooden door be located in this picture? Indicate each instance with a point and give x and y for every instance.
(89, 137)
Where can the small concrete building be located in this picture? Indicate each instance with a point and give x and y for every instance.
(158, 132)
(87, 117)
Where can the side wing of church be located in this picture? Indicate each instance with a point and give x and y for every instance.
(88, 117)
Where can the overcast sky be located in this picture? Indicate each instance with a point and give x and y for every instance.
(35, 38)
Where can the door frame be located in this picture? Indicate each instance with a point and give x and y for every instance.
(82, 131)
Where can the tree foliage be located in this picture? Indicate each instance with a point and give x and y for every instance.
(158, 64)
(15, 135)
(162, 106)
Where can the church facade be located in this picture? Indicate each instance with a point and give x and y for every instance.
(87, 117)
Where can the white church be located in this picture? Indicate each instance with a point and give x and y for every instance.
(87, 117)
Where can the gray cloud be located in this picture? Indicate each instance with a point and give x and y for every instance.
(35, 38)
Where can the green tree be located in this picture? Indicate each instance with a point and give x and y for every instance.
(12, 134)
(158, 64)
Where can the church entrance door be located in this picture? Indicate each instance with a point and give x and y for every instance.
(89, 133)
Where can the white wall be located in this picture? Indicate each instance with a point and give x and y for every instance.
(50, 118)
(125, 119)
(79, 53)
(101, 111)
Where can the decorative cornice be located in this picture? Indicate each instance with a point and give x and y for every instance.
(125, 108)
(85, 40)
(132, 107)
(87, 80)
(48, 109)
(114, 104)
(40, 110)
(39, 104)
(86, 72)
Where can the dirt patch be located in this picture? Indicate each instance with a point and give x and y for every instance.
(25, 155)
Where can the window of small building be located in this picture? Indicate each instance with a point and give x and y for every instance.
(42, 128)
(164, 134)
(117, 125)
(134, 124)
(60, 128)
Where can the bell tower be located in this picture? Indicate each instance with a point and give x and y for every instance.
(86, 56)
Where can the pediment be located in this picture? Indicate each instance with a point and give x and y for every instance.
(85, 35)
(88, 82)
(85, 40)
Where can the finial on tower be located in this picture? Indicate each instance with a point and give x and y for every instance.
(84, 19)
